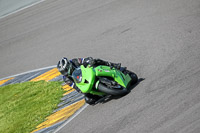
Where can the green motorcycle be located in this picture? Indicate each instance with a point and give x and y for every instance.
(101, 82)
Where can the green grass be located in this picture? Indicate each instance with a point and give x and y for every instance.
(23, 106)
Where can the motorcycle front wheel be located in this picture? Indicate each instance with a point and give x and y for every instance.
(113, 91)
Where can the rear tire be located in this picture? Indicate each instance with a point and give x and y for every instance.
(134, 78)
(111, 91)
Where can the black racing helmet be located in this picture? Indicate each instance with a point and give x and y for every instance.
(63, 66)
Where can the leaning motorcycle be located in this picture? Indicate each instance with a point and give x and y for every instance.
(101, 82)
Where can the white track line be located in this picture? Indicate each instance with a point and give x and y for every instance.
(30, 77)
(28, 72)
(71, 118)
(22, 9)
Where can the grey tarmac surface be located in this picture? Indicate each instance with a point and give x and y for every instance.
(159, 40)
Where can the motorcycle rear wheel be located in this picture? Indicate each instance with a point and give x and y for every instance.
(134, 78)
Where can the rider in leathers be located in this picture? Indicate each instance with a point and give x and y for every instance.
(66, 68)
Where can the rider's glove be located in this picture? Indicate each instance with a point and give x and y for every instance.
(67, 80)
(91, 62)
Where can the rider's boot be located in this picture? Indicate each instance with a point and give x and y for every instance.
(102, 62)
(116, 65)
(89, 100)
(123, 69)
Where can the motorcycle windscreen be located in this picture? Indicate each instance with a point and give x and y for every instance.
(77, 75)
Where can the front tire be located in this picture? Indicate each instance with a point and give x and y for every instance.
(112, 91)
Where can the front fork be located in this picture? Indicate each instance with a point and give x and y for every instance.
(95, 90)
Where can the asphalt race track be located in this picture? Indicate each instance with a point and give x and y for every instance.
(159, 40)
